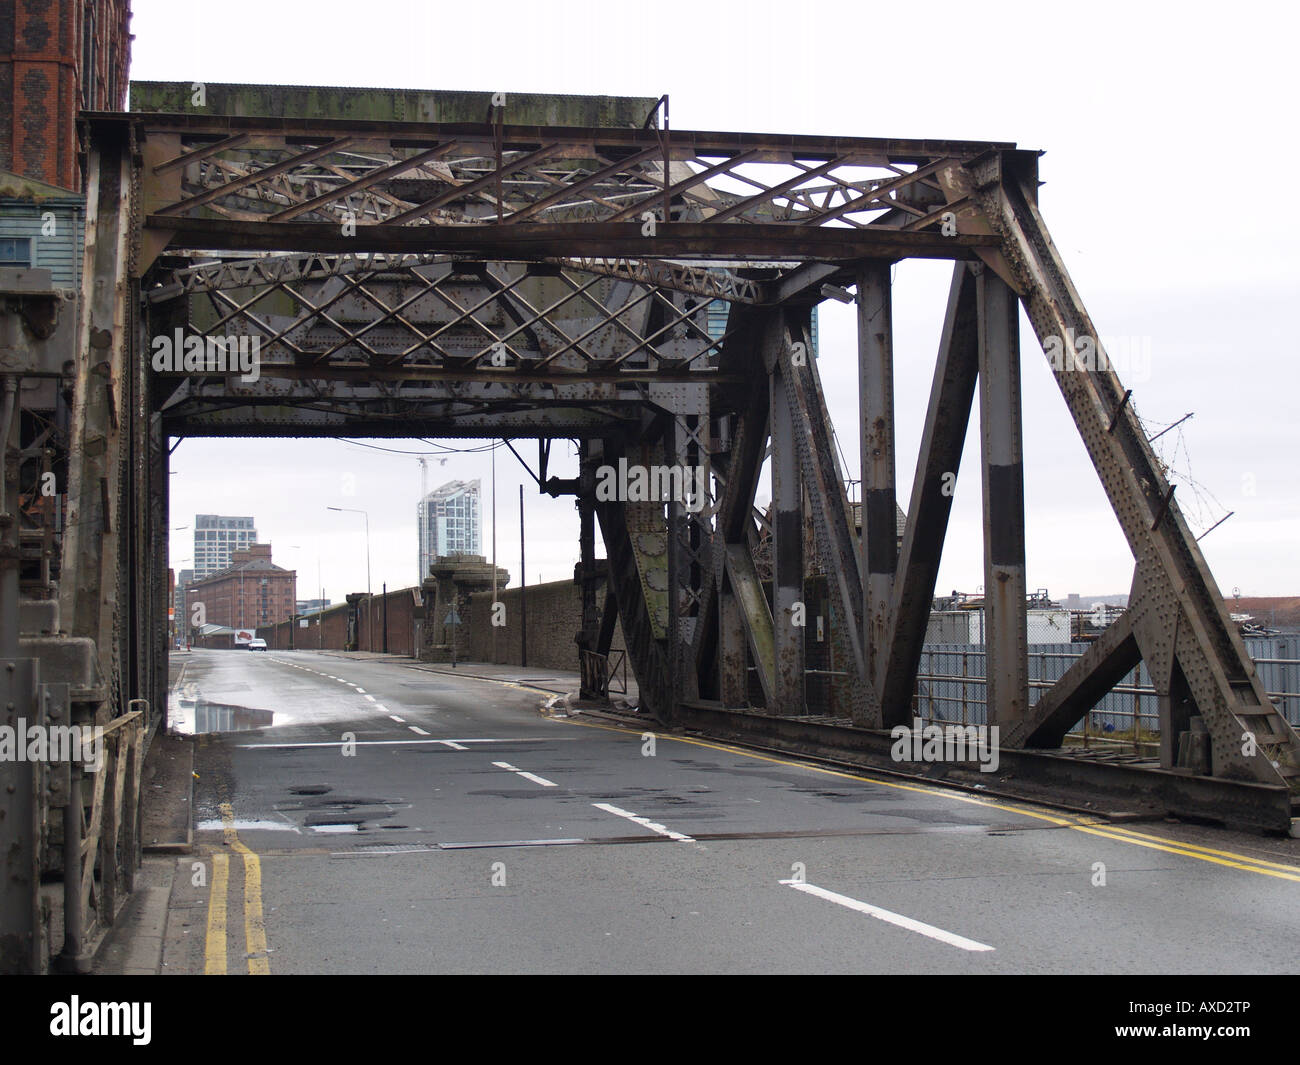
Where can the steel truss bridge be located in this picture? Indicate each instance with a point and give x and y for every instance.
(520, 281)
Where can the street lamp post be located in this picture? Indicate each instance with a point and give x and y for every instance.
(350, 510)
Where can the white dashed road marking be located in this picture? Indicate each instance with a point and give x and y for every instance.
(644, 822)
(951, 938)
(527, 776)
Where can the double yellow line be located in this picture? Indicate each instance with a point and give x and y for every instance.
(1093, 826)
(214, 960)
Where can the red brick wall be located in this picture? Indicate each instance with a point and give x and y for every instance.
(42, 75)
(403, 606)
(220, 597)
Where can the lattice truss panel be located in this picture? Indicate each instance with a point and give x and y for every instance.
(428, 311)
(402, 337)
(515, 175)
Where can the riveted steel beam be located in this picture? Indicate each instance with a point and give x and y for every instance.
(695, 241)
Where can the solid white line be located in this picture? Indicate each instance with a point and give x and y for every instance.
(644, 822)
(399, 720)
(951, 938)
(416, 728)
(385, 743)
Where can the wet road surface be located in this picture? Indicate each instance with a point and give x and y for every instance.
(376, 817)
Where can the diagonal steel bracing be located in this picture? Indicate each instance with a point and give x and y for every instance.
(1249, 738)
(826, 493)
(937, 466)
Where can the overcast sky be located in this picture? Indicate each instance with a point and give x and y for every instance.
(1164, 129)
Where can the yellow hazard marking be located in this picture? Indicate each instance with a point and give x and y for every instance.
(1092, 825)
(259, 963)
(214, 947)
(1203, 854)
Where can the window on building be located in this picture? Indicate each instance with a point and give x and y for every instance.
(15, 251)
(88, 58)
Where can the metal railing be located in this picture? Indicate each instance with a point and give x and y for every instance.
(602, 674)
(950, 688)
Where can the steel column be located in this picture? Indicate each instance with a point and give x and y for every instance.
(740, 469)
(788, 608)
(91, 569)
(20, 825)
(1002, 450)
(879, 496)
(588, 576)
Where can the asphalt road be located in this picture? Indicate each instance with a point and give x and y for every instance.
(375, 817)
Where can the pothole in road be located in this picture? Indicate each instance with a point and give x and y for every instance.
(311, 801)
(310, 789)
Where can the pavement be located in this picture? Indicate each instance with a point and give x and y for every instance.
(372, 814)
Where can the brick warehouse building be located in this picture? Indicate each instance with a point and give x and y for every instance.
(253, 591)
(58, 57)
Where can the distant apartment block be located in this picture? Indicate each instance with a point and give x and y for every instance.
(216, 538)
(178, 597)
(253, 591)
(450, 522)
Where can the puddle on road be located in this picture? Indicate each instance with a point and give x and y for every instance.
(193, 715)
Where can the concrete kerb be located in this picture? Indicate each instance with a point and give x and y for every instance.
(134, 945)
(508, 682)
(615, 716)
